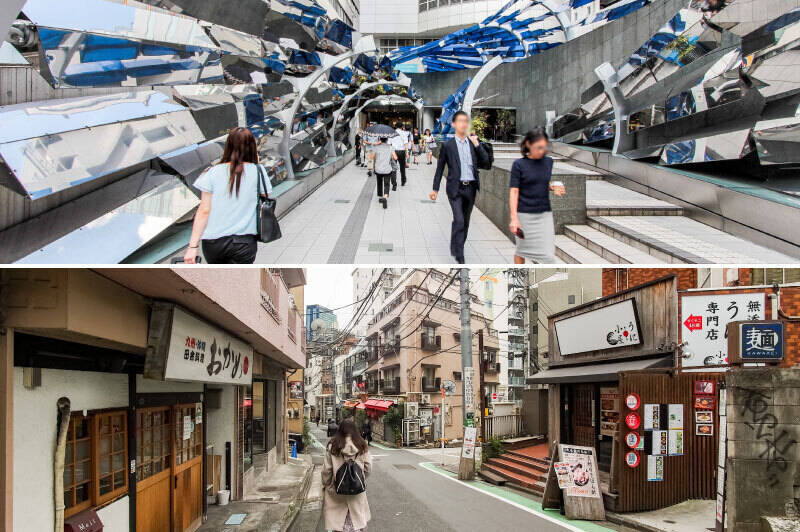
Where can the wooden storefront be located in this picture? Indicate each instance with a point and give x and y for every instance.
(690, 476)
(169, 457)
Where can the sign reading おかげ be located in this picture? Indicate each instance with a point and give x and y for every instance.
(609, 327)
(199, 351)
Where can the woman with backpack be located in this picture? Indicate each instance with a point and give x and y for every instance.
(225, 221)
(344, 472)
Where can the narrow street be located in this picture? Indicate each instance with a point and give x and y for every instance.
(408, 492)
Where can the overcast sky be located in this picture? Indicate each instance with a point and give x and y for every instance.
(331, 287)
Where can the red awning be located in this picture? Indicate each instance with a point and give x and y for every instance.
(361, 406)
(377, 404)
(350, 404)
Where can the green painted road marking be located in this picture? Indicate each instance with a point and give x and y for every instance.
(383, 447)
(519, 501)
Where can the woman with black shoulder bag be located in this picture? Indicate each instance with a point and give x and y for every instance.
(227, 220)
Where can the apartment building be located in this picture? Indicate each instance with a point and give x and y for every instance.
(413, 346)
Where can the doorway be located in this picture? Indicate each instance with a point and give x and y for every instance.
(265, 400)
(582, 414)
(169, 458)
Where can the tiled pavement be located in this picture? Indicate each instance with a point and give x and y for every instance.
(327, 227)
(601, 194)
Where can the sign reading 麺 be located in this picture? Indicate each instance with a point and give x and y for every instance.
(759, 341)
(183, 347)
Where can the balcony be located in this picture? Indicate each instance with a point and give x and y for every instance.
(390, 386)
(431, 385)
(493, 367)
(292, 321)
(392, 346)
(516, 381)
(513, 331)
(372, 387)
(431, 343)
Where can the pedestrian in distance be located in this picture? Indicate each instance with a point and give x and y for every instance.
(225, 221)
(529, 200)
(346, 467)
(416, 139)
(366, 431)
(409, 142)
(400, 144)
(430, 143)
(358, 140)
(461, 155)
(382, 156)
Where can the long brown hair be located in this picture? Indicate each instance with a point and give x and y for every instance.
(339, 440)
(240, 148)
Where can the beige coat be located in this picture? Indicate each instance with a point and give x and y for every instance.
(335, 506)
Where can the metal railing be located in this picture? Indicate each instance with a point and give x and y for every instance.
(291, 324)
(270, 294)
(492, 367)
(516, 381)
(509, 426)
(390, 385)
(431, 343)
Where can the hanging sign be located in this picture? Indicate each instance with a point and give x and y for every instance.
(758, 341)
(633, 401)
(632, 459)
(704, 321)
(632, 440)
(609, 327)
(185, 348)
(633, 421)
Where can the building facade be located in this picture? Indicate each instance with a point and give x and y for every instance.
(168, 384)
(414, 347)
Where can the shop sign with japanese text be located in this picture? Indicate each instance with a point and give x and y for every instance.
(761, 341)
(199, 351)
(704, 320)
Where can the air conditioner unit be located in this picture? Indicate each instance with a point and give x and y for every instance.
(412, 409)
(426, 398)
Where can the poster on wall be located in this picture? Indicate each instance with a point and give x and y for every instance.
(704, 417)
(198, 413)
(660, 442)
(563, 474)
(609, 410)
(187, 427)
(468, 449)
(675, 416)
(425, 417)
(469, 394)
(609, 327)
(295, 389)
(675, 446)
(652, 417)
(704, 402)
(704, 321)
(582, 469)
(704, 430)
(655, 468)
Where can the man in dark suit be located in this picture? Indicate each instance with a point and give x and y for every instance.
(462, 155)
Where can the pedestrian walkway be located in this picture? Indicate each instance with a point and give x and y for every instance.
(343, 223)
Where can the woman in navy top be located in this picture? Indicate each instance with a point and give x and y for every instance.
(529, 199)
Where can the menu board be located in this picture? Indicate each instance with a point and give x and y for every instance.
(580, 464)
(609, 410)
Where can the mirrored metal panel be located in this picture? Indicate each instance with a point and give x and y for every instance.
(723, 147)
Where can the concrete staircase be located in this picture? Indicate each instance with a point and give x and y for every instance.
(517, 469)
(627, 227)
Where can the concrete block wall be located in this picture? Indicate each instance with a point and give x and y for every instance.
(556, 78)
(492, 200)
(763, 466)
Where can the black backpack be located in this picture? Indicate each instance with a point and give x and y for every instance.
(350, 479)
(489, 149)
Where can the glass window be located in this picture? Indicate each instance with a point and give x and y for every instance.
(188, 443)
(111, 455)
(77, 466)
(153, 442)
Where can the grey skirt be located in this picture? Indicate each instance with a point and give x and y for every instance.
(539, 242)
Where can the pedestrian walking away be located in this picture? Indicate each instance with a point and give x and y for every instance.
(461, 155)
(531, 220)
(382, 156)
(400, 144)
(366, 431)
(346, 467)
(430, 144)
(225, 221)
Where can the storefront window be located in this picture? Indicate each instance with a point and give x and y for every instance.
(258, 417)
(247, 433)
(188, 435)
(153, 445)
(111, 444)
(78, 466)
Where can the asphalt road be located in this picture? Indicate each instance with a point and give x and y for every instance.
(405, 496)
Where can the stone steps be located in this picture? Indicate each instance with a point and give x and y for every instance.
(633, 211)
(514, 478)
(657, 253)
(569, 251)
(609, 247)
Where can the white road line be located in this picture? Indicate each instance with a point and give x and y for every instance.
(512, 503)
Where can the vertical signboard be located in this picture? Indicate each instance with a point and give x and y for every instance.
(722, 457)
(469, 396)
(704, 321)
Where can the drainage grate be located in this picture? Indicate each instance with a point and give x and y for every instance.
(341, 201)
(381, 247)
(404, 466)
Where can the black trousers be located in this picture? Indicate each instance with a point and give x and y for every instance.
(383, 183)
(401, 160)
(234, 249)
(358, 153)
(462, 205)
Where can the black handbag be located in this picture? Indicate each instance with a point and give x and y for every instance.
(266, 221)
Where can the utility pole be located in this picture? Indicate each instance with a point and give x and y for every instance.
(481, 368)
(466, 466)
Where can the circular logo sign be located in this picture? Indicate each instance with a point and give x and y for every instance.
(632, 401)
(632, 458)
(633, 421)
(632, 440)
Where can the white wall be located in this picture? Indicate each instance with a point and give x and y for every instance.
(395, 17)
(155, 386)
(402, 17)
(222, 428)
(35, 418)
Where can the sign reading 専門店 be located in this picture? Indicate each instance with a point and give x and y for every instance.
(609, 327)
(185, 348)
